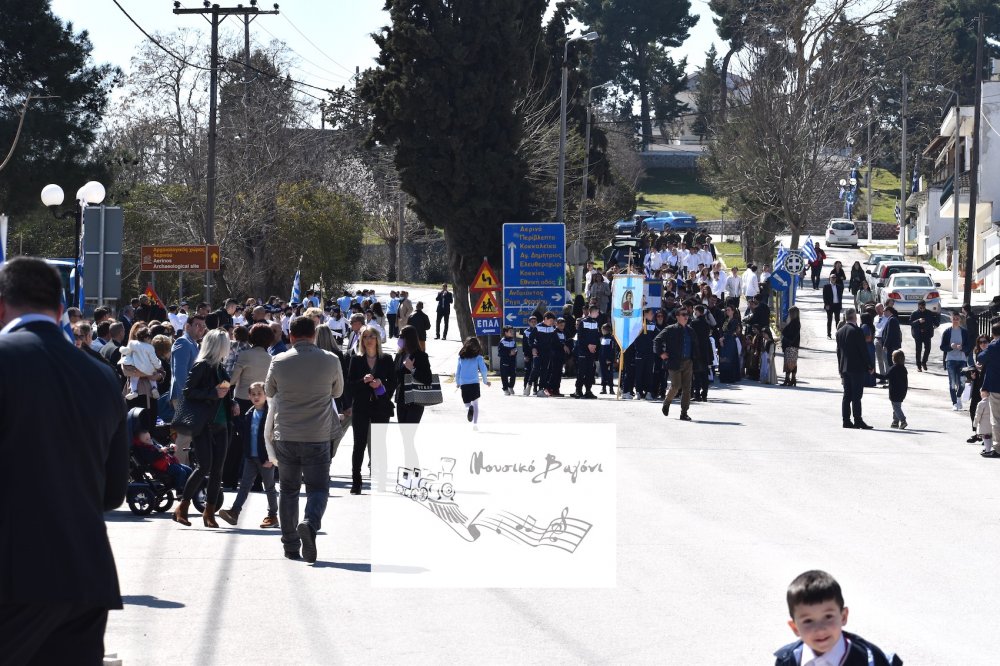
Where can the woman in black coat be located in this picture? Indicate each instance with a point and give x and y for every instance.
(791, 336)
(370, 385)
(410, 360)
(207, 388)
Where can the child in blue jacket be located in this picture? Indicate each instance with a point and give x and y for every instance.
(471, 367)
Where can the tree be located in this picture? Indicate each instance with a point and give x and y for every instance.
(43, 56)
(635, 36)
(707, 92)
(444, 94)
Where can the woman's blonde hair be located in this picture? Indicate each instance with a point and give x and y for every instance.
(214, 347)
(365, 330)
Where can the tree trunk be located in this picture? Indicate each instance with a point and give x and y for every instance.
(724, 89)
(647, 125)
(392, 245)
(461, 277)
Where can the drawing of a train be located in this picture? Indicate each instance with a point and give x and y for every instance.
(418, 486)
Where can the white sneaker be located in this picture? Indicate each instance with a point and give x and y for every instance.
(154, 394)
(958, 405)
(527, 390)
(628, 396)
(131, 395)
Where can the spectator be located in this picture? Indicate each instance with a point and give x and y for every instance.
(182, 356)
(420, 321)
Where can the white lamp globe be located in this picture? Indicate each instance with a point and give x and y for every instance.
(79, 194)
(52, 195)
(843, 182)
(93, 192)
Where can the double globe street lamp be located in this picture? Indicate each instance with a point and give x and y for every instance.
(560, 180)
(92, 193)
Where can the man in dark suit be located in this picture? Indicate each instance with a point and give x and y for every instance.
(112, 352)
(854, 363)
(833, 301)
(677, 344)
(57, 573)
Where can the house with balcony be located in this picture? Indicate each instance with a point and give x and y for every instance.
(935, 210)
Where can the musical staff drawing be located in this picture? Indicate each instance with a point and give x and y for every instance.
(565, 532)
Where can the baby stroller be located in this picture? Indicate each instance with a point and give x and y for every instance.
(149, 490)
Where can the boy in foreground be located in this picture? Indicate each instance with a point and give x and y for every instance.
(816, 605)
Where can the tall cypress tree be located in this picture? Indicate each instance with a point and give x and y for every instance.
(444, 93)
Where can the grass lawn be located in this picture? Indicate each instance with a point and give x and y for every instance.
(886, 193)
(679, 189)
(732, 254)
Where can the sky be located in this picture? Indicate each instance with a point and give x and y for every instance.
(329, 37)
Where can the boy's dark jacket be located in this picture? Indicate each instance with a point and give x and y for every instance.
(245, 434)
(859, 653)
(898, 382)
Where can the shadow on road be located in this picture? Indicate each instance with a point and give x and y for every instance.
(149, 601)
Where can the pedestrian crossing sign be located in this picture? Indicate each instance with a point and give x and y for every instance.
(487, 306)
(486, 279)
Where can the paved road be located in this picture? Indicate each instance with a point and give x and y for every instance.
(715, 517)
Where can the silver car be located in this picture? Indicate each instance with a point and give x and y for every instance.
(907, 289)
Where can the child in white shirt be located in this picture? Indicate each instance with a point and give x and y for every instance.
(141, 355)
(983, 423)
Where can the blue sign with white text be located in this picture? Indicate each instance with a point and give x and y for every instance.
(534, 269)
(781, 280)
(518, 304)
(491, 326)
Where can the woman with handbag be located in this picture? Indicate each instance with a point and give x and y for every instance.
(205, 413)
(371, 382)
(411, 362)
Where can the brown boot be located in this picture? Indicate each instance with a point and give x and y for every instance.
(269, 521)
(208, 517)
(181, 513)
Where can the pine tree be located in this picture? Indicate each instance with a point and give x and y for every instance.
(707, 93)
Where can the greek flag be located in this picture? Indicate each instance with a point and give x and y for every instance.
(64, 320)
(779, 261)
(809, 250)
(296, 289)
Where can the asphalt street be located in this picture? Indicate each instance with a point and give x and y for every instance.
(714, 518)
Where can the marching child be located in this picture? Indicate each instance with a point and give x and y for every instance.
(139, 353)
(816, 605)
(898, 384)
(471, 367)
(982, 423)
(255, 460)
(606, 359)
(507, 353)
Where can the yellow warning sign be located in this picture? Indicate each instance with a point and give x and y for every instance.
(486, 306)
(486, 279)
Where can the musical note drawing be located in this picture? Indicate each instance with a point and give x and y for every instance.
(527, 525)
(559, 524)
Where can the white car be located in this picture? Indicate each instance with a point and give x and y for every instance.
(907, 289)
(841, 232)
(877, 257)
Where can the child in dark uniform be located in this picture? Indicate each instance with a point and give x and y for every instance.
(607, 352)
(507, 353)
(816, 605)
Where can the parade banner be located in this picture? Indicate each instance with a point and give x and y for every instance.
(626, 308)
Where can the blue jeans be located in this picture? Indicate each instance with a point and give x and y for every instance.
(299, 462)
(955, 379)
(251, 468)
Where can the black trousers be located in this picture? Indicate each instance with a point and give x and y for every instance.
(508, 375)
(362, 426)
(532, 371)
(232, 469)
(923, 352)
(210, 446)
(441, 316)
(816, 270)
(854, 388)
(699, 382)
(833, 317)
(393, 331)
(585, 371)
(59, 633)
(409, 413)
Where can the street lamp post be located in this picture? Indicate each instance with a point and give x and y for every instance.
(955, 194)
(52, 197)
(586, 180)
(560, 180)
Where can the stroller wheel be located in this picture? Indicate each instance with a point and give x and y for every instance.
(140, 501)
(165, 502)
(199, 500)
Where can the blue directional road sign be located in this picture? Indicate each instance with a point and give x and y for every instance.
(534, 271)
(781, 280)
(491, 326)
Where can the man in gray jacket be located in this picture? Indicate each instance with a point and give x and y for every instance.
(302, 383)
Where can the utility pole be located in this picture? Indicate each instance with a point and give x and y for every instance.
(902, 174)
(218, 14)
(868, 177)
(970, 227)
(399, 235)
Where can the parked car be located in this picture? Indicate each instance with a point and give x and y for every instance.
(841, 232)
(875, 258)
(672, 220)
(907, 289)
(625, 226)
(621, 247)
(887, 269)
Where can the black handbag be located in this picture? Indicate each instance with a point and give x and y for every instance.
(192, 416)
(422, 394)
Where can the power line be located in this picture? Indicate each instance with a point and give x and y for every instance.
(341, 78)
(321, 51)
(155, 41)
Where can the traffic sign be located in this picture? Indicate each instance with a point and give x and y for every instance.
(518, 304)
(487, 306)
(179, 258)
(491, 326)
(793, 262)
(534, 254)
(781, 280)
(486, 279)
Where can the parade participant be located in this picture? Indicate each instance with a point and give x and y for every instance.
(703, 362)
(606, 359)
(791, 337)
(370, 385)
(372, 322)
(734, 286)
(303, 382)
(639, 360)
(346, 301)
(982, 425)
(760, 315)
(677, 345)
(390, 313)
(255, 460)
(588, 339)
(531, 362)
(833, 301)
(816, 606)
(765, 284)
(562, 352)
(507, 353)
(922, 325)
(420, 321)
(444, 300)
(356, 323)
(405, 310)
(956, 343)
(208, 387)
(600, 291)
(63, 424)
(751, 282)
(854, 363)
(339, 324)
(471, 367)
(898, 384)
(543, 348)
(410, 360)
(816, 265)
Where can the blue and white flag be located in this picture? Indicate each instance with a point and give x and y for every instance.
(64, 320)
(3, 238)
(809, 250)
(296, 289)
(779, 261)
(626, 308)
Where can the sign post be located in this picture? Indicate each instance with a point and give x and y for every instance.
(534, 256)
(487, 314)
